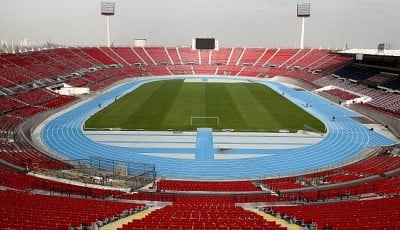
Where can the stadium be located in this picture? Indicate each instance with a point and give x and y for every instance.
(200, 136)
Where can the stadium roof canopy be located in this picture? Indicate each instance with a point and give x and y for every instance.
(394, 53)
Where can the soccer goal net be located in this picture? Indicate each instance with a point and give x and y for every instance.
(204, 121)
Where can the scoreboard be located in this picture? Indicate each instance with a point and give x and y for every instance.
(204, 43)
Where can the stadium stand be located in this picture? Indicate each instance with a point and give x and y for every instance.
(221, 56)
(112, 54)
(204, 70)
(202, 213)
(363, 195)
(204, 57)
(174, 55)
(157, 70)
(99, 55)
(189, 56)
(282, 56)
(142, 53)
(251, 56)
(392, 84)
(356, 73)
(206, 186)
(379, 213)
(128, 55)
(266, 57)
(342, 94)
(23, 210)
(235, 55)
(159, 55)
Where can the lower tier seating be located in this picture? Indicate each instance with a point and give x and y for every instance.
(380, 213)
(202, 213)
(206, 186)
(24, 210)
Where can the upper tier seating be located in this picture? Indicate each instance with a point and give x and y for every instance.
(189, 56)
(392, 84)
(266, 57)
(142, 53)
(310, 58)
(251, 56)
(221, 56)
(297, 56)
(159, 55)
(174, 55)
(130, 57)
(204, 57)
(331, 63)
(112, 54)
(282, 56)
(235, 56)
(380, 79)
(356, 72)
(99, 55)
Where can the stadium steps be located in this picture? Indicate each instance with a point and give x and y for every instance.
(137, 216)
(279, 221)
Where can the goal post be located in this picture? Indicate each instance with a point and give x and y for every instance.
(193, 119)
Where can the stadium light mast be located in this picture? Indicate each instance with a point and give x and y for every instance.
(303, 11)
(108, 9)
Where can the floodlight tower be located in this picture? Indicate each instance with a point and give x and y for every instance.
(108, 9)
(303, 11)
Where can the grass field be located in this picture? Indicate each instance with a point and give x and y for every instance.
(165, 105)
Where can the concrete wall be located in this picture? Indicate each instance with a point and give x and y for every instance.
(392, 123)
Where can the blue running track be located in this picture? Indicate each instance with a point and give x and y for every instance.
(345, 139)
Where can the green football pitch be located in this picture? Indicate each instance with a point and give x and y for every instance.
(183, 106)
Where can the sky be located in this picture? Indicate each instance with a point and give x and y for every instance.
(248, 23)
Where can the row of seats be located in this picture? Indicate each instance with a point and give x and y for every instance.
(357, 72)
(282, 183)
(237, 186)
(374, 166)
(21, 181)
(23, 155)
(27, 67)
(380, 78)
(378, 186)
(382, 162)
(202, 213)
(382, 101)
(380, 213)
(24, 210)
(344, 95)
